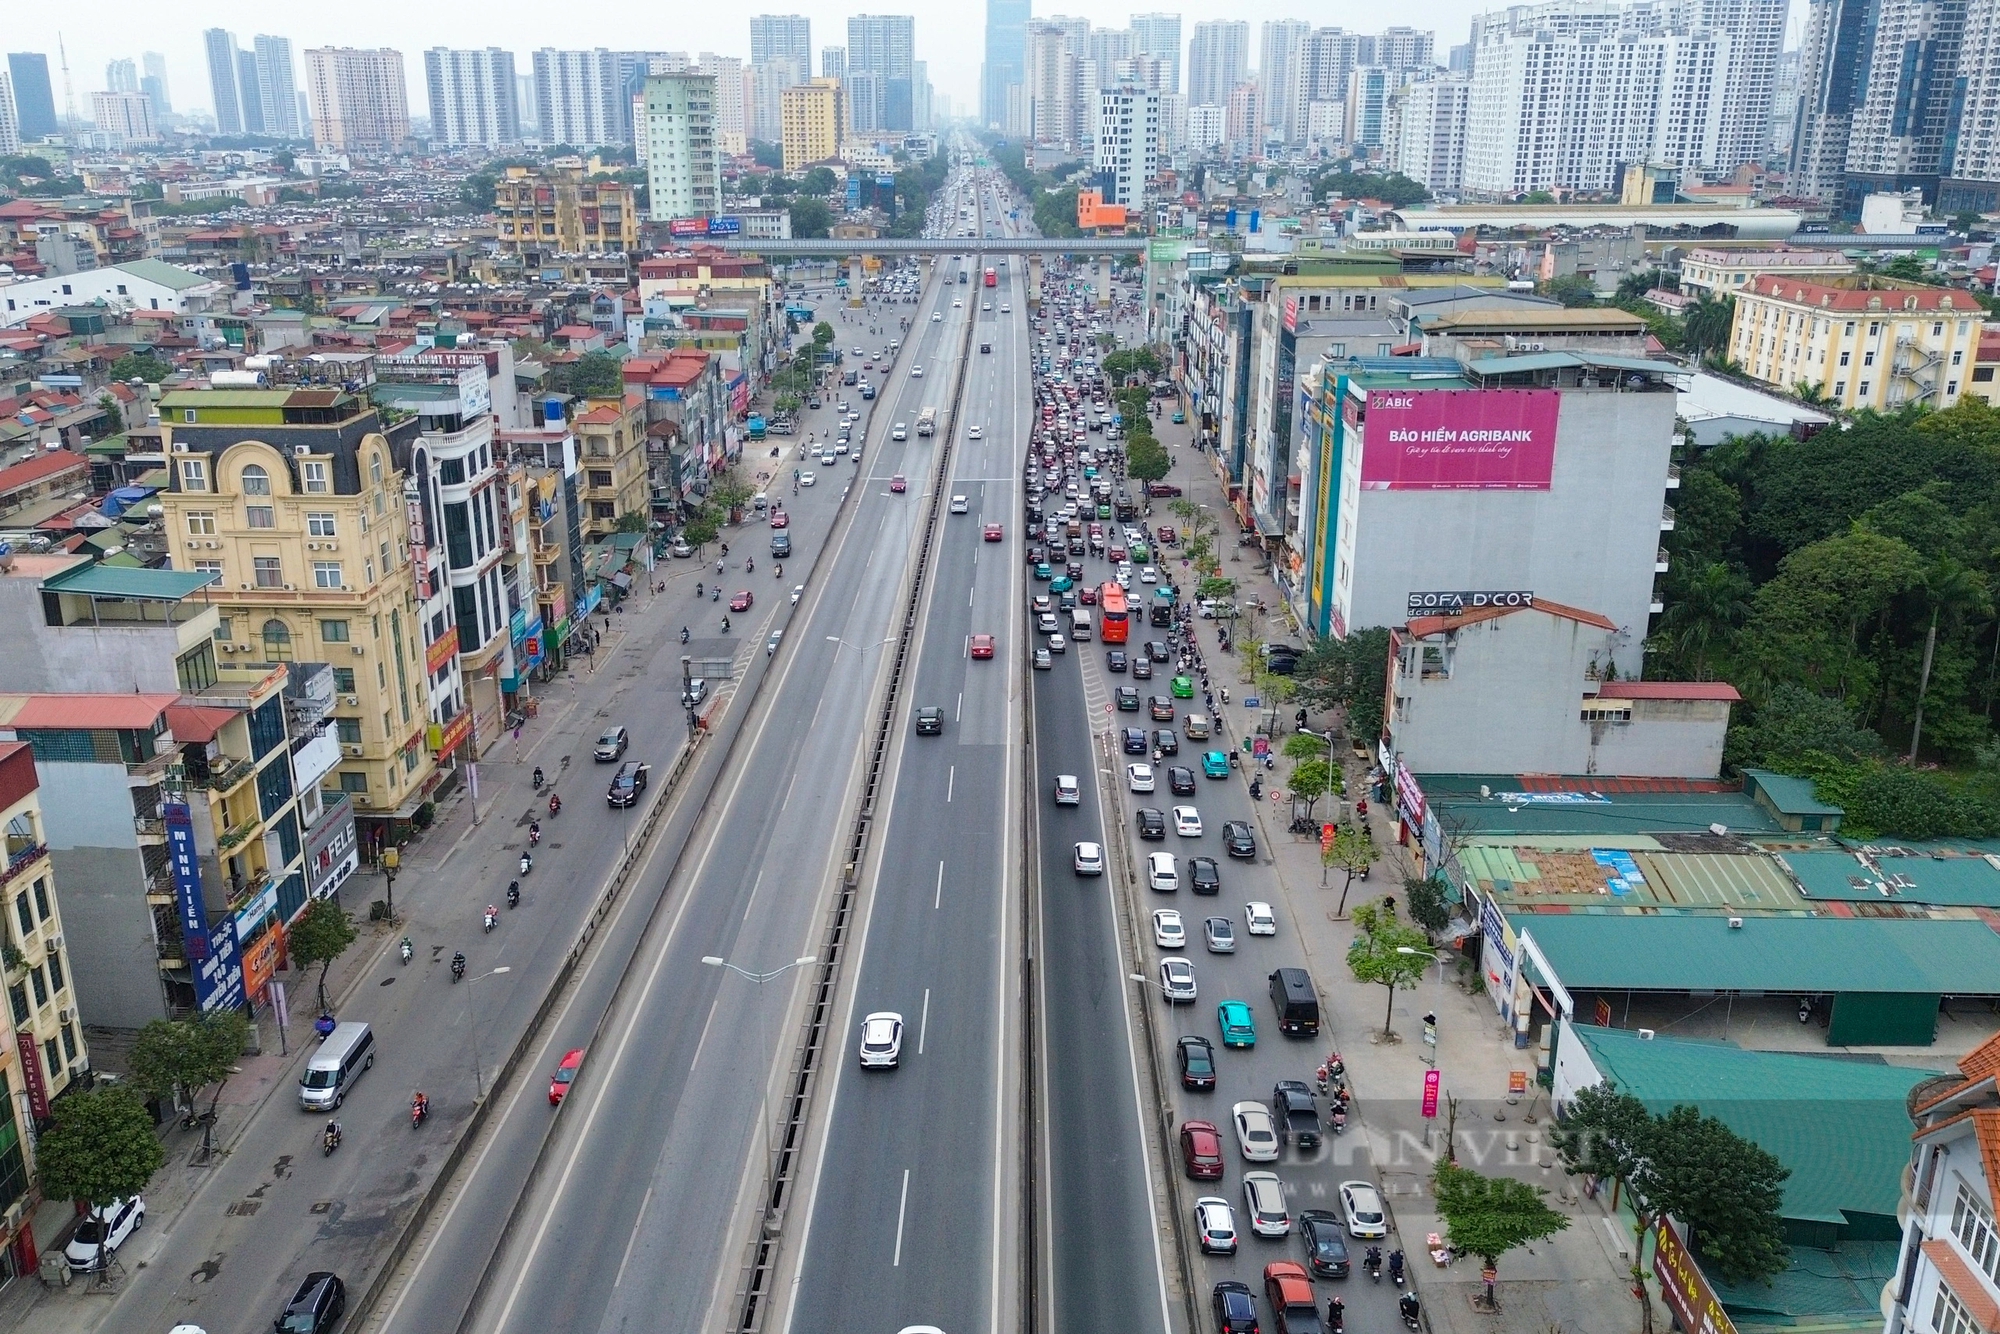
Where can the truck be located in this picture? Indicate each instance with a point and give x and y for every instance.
(927, 421)
(1292, 1107)
(756, 425)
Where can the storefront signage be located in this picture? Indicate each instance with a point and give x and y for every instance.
(333, 852)
(1685, 1287)
(441, 650)
(184, 865)
(1411, 796)
(252, 914)
(1453, 603)
(31, 1074)
(218, 980)
(1470, 439)
(444, 740)
(1430, 1094)
(420, 552)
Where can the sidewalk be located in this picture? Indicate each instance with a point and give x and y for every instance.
(1574, 1281)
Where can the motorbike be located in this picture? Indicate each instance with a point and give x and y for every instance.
(1340, 1121)
(330, 1138)
(1396, 1268)
(513, 893)
(407, 950)
(420, 1111)
(715, 594)
(1336, 1315)
(1373, 1264)
(699, 588)
(538, 778)
(555, 805)
(527, 863)
(684, 634)
(492, 917)
(1407, 1308)
(534, 835)
(725, 625)
(457, 967)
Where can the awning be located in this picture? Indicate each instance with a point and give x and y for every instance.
(621, 581)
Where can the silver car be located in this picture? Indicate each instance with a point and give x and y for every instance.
(1220, 933)
(1177, 981)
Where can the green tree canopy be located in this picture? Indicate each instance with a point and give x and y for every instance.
(595, 374)
(99, 1148)
(1353, 672)
(1490, 1216)
(141, 366)
(321, 934)
(1388, 953)
(1145, 458)
(811, 218)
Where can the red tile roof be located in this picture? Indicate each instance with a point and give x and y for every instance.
(1422, 626)
(604, 416)
(1669, 690)
(30, 471)
(1886, 300)
(197, 722)
(91, 712)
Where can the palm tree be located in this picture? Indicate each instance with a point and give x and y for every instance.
(1706, 609)
(1953, 591)
(1707, 323)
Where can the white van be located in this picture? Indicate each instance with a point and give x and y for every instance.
(1079, 624)
(345, 1055)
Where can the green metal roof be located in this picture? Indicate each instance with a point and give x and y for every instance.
(1836, 1291)
(1850, 1159)
(1604, 817)
(166, 275)
(228, 398)
(1961, 882)
(150, 584)
(1792, 796)
(1614, 950)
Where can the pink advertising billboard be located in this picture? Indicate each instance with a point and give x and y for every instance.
(1459, 439)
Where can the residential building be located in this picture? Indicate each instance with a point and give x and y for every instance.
(357, 99)
(557, 211)
(277, 87)
(1860, 342)
(1160, 35)
(1127, 145)
(719, 303)
(1241, 119)
(1948, 1274)
(1834, 59)
(246, 92)
(45, 1016)
(1706, 272)
(300, 493)
(140, 284)
(814, 123)
(153, 83)
(126, 117)
(122, 76)
(731, 139)
(884, 45)
(764, 87)
(472, 97)
(34, 99)
(10, 121)
(1972, 180)
(1909, 113)
(1204, 129)
(578, 97)
(1006, 63)
(611, 451)
(833, 62)
(1218, 61)
(683, 164)
(688, 437)
(1985, 382)
(1055, 107)
(1369, 89)
(220, 46)
(1105, 48)
(781, 37)
(1431, 140)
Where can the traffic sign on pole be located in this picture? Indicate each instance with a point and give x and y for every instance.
(1430, 1095)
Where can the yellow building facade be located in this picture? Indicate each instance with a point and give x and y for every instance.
(558, 210)
(1861, 342)
(813, 121)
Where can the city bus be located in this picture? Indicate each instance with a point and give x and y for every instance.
(1114, 622)
(992, 279)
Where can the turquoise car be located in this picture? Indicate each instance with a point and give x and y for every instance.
(1239, 1028)
(1062, 583)
(1180, 418)
(1042, 571)
(1215, 764)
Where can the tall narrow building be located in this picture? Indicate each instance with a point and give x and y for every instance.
(1972, 183)
(731, 136)
(1160, 35)
(1280, 66)
(683, 166)
(122, 76)
(1218, 61)
(153, 83)
(472, 97)
(357, 98)
(277, 86)
(764, 88)
(246, 91)
(884, 45)
(10, 124)
(220, 47)
(781, 37)
(34, 99)
(833, 62)
(1006, 63)
(577, 98)
(1905, 127)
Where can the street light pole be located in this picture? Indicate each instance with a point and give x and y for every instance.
(472, 1025)
(763, 1049)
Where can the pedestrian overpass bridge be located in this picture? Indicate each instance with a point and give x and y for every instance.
(841, 248)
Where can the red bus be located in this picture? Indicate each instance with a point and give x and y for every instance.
(992, 279)
(1114, 622)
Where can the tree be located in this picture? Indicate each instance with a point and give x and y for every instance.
(1572, 290)
(1353, 672)
(320, 935)
(1490, 1216)
(823, 334)
(141, 366)
(818, 181)
(1634, 286)
(1311, 780)
(1146, 459)
(596, 375)
(1392, 188)
(1707, 322)
(1425, 896)
(1794, 723)
(1353, 851)
(1704, 612)
(99, 1149)
(172, 1058)
(1952, 591)
(1388, 953)
(767, 154)
(811, 218)
(634, 522)
(728, 492)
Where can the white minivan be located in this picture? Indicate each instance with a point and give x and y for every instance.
(1079, 624)
(344, 1057)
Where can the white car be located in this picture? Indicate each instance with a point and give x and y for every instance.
(1057, 644)
(937, 315)
(1264, 1201)
(1006, 309)
(806, 478)
(1177, 985)
(881, 1040)
(1046, 623)
(974, 433)
(826, 458)
(959, 505)
(1148, 575)
(899, 432)
(1125, 580)
(1259, 920)
(1168, 933)
(958, 305)
(1162, 872)
(1215, 1222)
(1187, 822)
(986, 305)
(840, 447)
(1256, 1137)
(1089, 859)
(102, 1232)
(1363, 1206)
(1068, 791)
(1139, 777)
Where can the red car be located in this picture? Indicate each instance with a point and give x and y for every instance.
(1168, 536)
(1087, 596)
(982, 646)
(741, 601)
(899, 484)
(1116, 554)
(780, 519)
(993, 532)
(1201, 1150)
(565, 1073)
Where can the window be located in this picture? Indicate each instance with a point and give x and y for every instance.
(1868, 358)
(343, 680)
(24, 912)
(194, 474)
(269, 574)
(256, 482)
(42, 908)
(1844, 356)
(353, 782)
(1958, 357)
(195, 669)
(222, 627)
(1863, 391)
(208, 567)
(313, 474)
(17, 995)
(1949, 1316)
(1950, 387)
(40, 985)
(326, 574)
(69, 1040)
(451, 472)
(277, 641)
(333, 632)
(375, 467)
(319, 523)
(348, 731)
(1937, 330)
(56, 982)
(599, 477)
(368, 571)
(1839, 389)
(260, 516)
(201, 523)
(1874, 328)
(388, 563)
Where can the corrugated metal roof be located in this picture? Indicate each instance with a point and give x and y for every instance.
(1668, 690)
(1556, 361)
(1780, 1101)
(228, 398)
(1792, 796)
(149, 584)
(197, 722)
(91, 712)
(1960, 882)
(1616, 951)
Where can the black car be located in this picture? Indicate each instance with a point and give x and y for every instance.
(1076, 548)
(1115, 660)
(1156, 649)
(1197, 1063)
(1038, 556)
(1235, 1308)
(1326, 1249)
(930, 720)
(1152, 823)
(1135, 741)
(627, 784)
(1237, 839)
(316, 1307)
(1074, 569)
(1168, 741)
(1292, 1107)
(1180, 780)
(1204, 876)
(1142, 668)
(1128, 699)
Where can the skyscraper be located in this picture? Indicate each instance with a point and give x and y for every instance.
(125, 116)
(885, 45)
(122, 76)
(1055, 112)
(220, 46)
(357, 98)
(1279, 67)
(764, 88)
(1160, 35)
(10, 123)
(683, 168)
(1006, 64)
(472, 97)
(34, 102)
(814, 122)
(1973, 179)
(1218, 60)
(727, 71)
(833, 62)
(277, 86)
(251, 101)
(153, 83)
(1105, 48)
(781, 37)
(577, 97)
(1127, 147)
(1905, 125)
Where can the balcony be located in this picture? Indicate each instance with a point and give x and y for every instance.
(1660, 561)
(238, 834)
(1673, 477)
(21, 859)
(154, 769)
(308, 695)
(227, 774)
(1666, 518)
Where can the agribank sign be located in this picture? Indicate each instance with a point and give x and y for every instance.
(1459, 439)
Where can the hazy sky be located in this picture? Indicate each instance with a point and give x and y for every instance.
(949, 35)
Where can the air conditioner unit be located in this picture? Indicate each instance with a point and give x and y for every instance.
(301, 451)
(56, 941)
(289, 588)
(63, 1015)
(244, 587)
(351, 750)
(357, 650)
(1646, 1034)
(351, 701)
(346, 588)
(180, 449)
(211, 545)
(192, 544)
(361, 799)
(1736, 924)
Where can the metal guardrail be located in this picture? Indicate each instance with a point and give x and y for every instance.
(964, 245)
